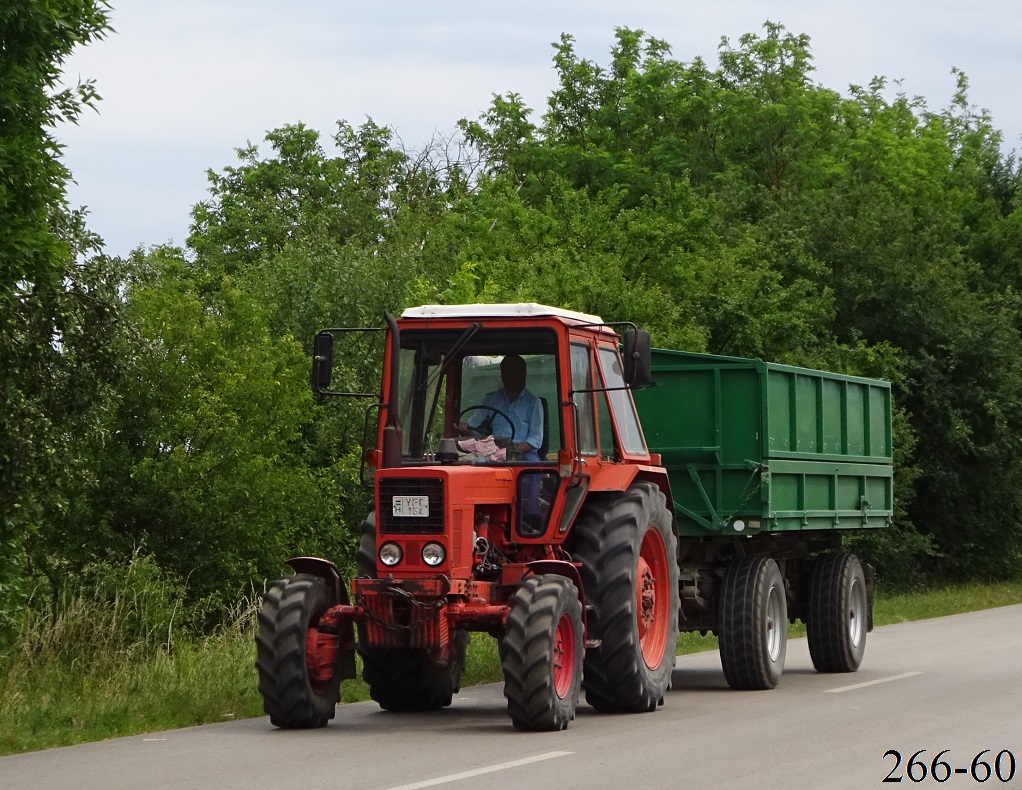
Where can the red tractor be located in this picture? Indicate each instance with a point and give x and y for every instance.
(537, 516)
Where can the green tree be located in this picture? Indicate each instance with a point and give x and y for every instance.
(207, 468)
(55, 307)
(742, 210)
(765, 215)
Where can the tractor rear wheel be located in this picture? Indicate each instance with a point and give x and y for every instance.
(542, 653)
(628, 552)
(837, 618)
(297, 691)
(404, 678)
(753, 628)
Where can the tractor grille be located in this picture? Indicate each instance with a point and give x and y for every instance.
(431, 487)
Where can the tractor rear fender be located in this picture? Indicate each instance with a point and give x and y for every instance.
(566, 569)
(326, 570)
(613, 477)
(657, 475)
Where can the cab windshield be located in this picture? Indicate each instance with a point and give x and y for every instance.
(494, 391)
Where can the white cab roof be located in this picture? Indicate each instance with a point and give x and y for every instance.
(496, 311)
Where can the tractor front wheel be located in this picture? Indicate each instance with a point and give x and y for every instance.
(299, 676)
(542, 653)
(404, 679)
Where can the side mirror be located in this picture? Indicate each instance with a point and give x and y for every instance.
(638, 359)
(322, 362)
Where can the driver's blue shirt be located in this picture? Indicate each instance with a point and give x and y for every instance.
(526, 413)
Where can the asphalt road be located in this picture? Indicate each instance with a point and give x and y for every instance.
(951, 683)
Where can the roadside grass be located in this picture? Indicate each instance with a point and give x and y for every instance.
(58, 703)
(90, 674)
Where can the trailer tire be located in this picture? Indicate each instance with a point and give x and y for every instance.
(628, 551)
(402, 678)
(838, 616)
(291, 697)
(542, 652)
(753, 624)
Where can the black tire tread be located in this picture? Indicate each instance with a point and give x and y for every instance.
(607, 540)
(741, 635)
(403, 679)
(527, 661)
(830, 645)
(288, 698)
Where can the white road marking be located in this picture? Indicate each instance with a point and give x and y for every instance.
(480, 771)
(149, 740)
(873, 682)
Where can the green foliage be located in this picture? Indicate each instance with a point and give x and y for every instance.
(55, 308)
(106, 609)
(743, 210)
(212, 471)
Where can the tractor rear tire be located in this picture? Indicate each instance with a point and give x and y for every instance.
(753, 627)
(628, 552)
(291, 697)
(542, 653)
(838, 617)
(404, 679)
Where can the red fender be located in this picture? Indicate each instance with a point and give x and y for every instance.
(326, 570)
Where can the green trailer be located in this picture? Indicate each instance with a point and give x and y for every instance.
(752, 446)
(768, 466)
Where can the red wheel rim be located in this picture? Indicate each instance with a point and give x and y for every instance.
(564, 656)
(652, 598)
(320, 655)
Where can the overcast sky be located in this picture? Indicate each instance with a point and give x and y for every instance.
(186, 82)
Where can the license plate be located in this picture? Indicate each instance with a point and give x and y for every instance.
(411, 506)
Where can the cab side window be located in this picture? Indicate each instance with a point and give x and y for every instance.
(582, 379)
(632, 441)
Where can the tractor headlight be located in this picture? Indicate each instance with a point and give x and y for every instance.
(433, 554)
(390, 554)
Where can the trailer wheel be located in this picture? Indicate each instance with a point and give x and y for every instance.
(628, 552)
(753, 626)
(404, 678)
(296, 692)
(542, 653)
(838, 614)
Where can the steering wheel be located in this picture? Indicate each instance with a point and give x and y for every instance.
(463, 412)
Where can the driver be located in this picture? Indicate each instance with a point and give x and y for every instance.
(524, 409)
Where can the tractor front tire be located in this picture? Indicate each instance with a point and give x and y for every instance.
(403, 679)
(838, 616)
(753, 627)
(542, 653)
(293, 699)
(628, 552)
